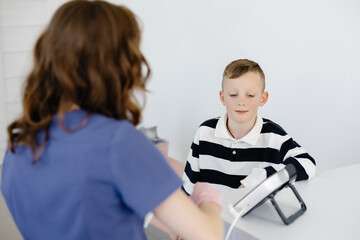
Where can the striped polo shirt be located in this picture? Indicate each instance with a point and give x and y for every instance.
(218, 158)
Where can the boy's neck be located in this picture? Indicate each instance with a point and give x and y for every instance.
(238, 130)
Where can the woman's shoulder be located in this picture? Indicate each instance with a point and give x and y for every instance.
(112, 124)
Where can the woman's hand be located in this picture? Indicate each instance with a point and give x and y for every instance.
(204, 192)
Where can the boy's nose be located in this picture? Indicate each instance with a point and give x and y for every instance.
(241, 102)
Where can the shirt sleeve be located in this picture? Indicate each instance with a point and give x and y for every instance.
(192, 171)
(140, 172)
(292, 152)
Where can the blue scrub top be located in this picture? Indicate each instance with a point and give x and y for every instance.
(96, 183)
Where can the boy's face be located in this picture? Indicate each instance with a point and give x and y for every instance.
(242, 97)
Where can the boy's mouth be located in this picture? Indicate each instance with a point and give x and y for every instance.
(241, 111)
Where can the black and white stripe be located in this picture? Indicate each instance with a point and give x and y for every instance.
(227, 161)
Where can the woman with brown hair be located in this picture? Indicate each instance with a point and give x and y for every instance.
(76, 167)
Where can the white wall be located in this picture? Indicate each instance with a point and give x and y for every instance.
(309, 51)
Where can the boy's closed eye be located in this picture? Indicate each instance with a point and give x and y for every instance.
(235, 95)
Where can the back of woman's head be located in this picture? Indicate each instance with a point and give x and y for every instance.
(88, 56)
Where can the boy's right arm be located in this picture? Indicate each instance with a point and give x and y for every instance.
(180, 214)
(192, 171)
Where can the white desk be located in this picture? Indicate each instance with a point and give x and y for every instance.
(333, 209)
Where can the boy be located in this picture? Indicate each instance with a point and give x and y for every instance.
(241, 149)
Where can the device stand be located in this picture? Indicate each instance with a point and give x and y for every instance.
(290, 219)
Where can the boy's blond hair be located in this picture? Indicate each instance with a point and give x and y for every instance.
(241, 66)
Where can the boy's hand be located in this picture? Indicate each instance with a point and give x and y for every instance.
(241, 186)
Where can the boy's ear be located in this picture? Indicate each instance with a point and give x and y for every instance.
(264, 98)
(221, 94)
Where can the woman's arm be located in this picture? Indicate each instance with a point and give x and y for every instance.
(181, 215)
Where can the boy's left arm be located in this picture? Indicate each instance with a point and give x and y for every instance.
(289, 152)
(292, 152)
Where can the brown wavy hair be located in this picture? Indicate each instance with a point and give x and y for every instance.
(88, 55)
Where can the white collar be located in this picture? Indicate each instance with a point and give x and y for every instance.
(250, 138)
